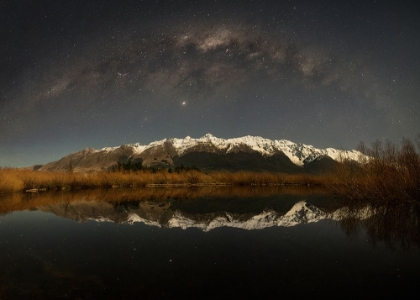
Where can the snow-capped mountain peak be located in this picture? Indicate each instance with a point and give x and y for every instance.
(298, 153)
(281, 155)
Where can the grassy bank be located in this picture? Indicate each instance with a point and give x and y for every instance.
(13, 180)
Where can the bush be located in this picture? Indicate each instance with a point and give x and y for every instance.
(391, 173)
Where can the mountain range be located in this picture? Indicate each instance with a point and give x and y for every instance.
(248, 153)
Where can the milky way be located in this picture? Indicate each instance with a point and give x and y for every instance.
(104, 73)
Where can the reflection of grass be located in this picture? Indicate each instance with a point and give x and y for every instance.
(20, 180)
(25, 201)
(395, 224)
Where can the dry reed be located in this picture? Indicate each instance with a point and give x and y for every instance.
(12, 180)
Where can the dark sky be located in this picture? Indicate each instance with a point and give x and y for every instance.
(80, 73)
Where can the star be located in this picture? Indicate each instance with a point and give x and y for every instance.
(243, 63)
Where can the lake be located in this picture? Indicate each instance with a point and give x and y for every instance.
(205, 243)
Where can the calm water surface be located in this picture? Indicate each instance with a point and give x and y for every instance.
(204, 246)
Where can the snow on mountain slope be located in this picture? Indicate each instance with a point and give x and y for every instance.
(206, 152)
(137, 148)
(298, 153)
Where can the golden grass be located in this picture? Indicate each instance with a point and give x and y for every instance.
(13, 180)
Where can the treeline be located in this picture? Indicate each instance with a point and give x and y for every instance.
(390, 174)
(138, 166)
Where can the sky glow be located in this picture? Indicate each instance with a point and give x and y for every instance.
(77, 74)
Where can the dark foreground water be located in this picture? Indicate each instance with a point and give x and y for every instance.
(205, 247)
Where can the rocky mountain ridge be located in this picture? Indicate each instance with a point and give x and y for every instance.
(208, 152)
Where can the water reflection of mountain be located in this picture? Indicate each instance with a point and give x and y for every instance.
(207, 209)
(170, 214)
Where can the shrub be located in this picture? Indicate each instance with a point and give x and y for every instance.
(392, 173)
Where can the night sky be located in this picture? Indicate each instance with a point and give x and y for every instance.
(80, 73)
